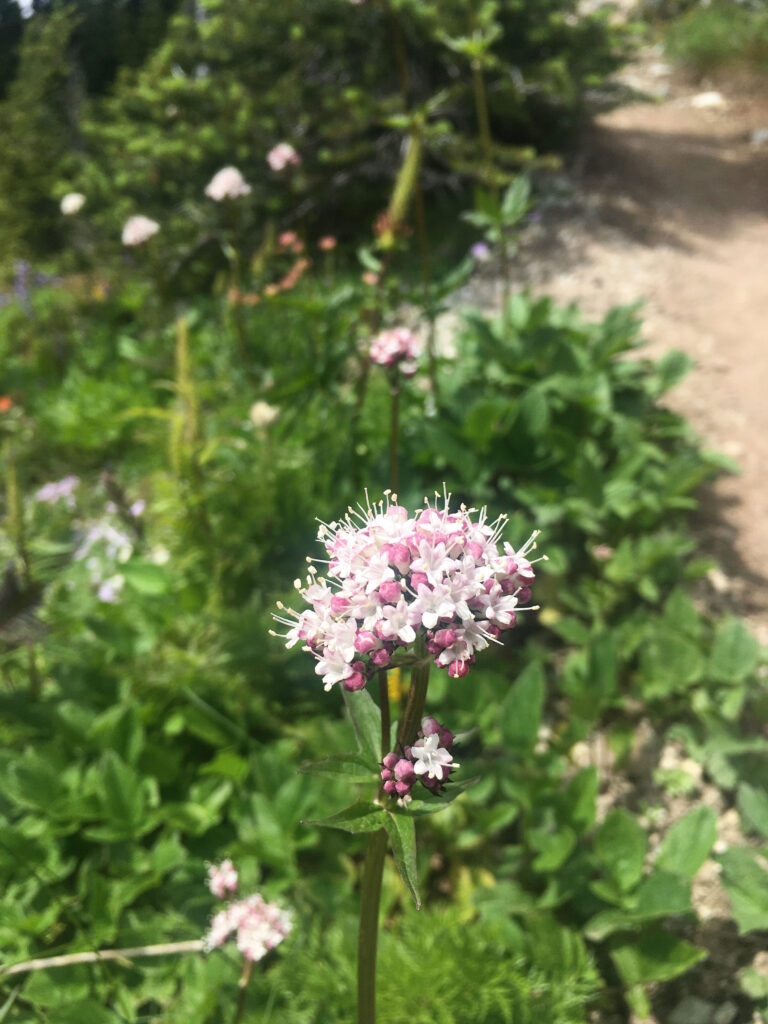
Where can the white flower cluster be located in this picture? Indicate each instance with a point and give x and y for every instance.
(72, 203)
(139, 229)
(393, 576)
(258, 926)
(60, 490)
(396, 347)
(228, 183)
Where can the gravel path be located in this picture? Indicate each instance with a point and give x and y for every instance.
(668, 201)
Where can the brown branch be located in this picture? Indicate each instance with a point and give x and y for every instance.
(97, 955)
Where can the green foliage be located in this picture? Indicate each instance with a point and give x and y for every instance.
(721, 35)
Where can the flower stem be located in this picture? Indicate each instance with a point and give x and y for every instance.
(384, 708)
(242, 988)
(394, 431)
(417, 698)
(370, 896)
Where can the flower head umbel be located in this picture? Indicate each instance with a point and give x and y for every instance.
(429, 761)
(222, 878)
(396, 347)
(282, 155)
(72, 203)
(395, 579)
(139, 229)
(228, 183)
(258, 926)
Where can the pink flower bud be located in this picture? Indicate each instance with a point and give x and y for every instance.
(404, 770)
(381, 658)
(366, 641)
(445, 638)
(339, 604)
(357, 680)
(401, 788)
(389, 787)
(418, 579)
(390, 592)
(429, 725)
(457, 669)
(390, 760)
(399, 556)
(446, 738)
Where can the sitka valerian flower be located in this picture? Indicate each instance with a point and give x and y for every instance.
(228, 183)
(257, 926)
(396, 347)
(428, 760)
(282, 155)
(139, 229)
(396, 580)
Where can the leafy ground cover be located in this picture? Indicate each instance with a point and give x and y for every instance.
(176, 412)
(150, 725)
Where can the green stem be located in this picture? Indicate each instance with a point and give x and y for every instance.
(370, 897)
(417, 697)
(386, 727)
(394, 432)
(242, 989)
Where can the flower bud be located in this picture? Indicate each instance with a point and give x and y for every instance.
(381, 658)
(365, 642)
(458, 669)
(390, 592)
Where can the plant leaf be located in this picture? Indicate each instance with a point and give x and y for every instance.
(655, 956)
(361, 816)
(687, 844)
(353, 767)
(366, 721)
(402, 836)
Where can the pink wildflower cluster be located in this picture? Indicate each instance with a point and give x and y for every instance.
(283, 155)
(222, 878)
(429, 760)
(396, 347)
(438, 576)
(258, 926)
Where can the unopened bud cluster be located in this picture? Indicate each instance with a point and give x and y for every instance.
(437, 577)
(428, 760)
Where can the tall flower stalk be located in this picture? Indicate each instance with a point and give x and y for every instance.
(402, 589)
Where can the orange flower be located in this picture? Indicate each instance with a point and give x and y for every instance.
(6, 403)
(287, 239)
(327, 243)
(371, 278)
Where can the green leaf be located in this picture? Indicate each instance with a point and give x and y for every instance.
(735, 652)
(687, 844)
(753, 807)
(146, 577)
(746, 883)
(655, 956)
(361, 816)
(353, 767)
(366, 721)
(658, 895)
(553, 848)
(753, 983)
(402, 835)
(432, 804)
(122, 793)
(521, 708)
(83, 1010)
(603, 674)
(620, 845)
(580, 799)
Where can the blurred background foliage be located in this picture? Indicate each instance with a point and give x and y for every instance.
(195, 424)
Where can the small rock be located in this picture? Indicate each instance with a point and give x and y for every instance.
(708, 101)
(660, 70)
(692, 1010)
(718, 581)
(724, 1014)
(759, 136)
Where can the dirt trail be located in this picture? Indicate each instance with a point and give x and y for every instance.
(668, 201)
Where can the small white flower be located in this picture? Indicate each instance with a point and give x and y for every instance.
(228, 183)
(430, 759)
(72, 203)
(139, 229)
(263, 414)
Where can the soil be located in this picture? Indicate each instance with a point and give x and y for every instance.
(667, 201)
